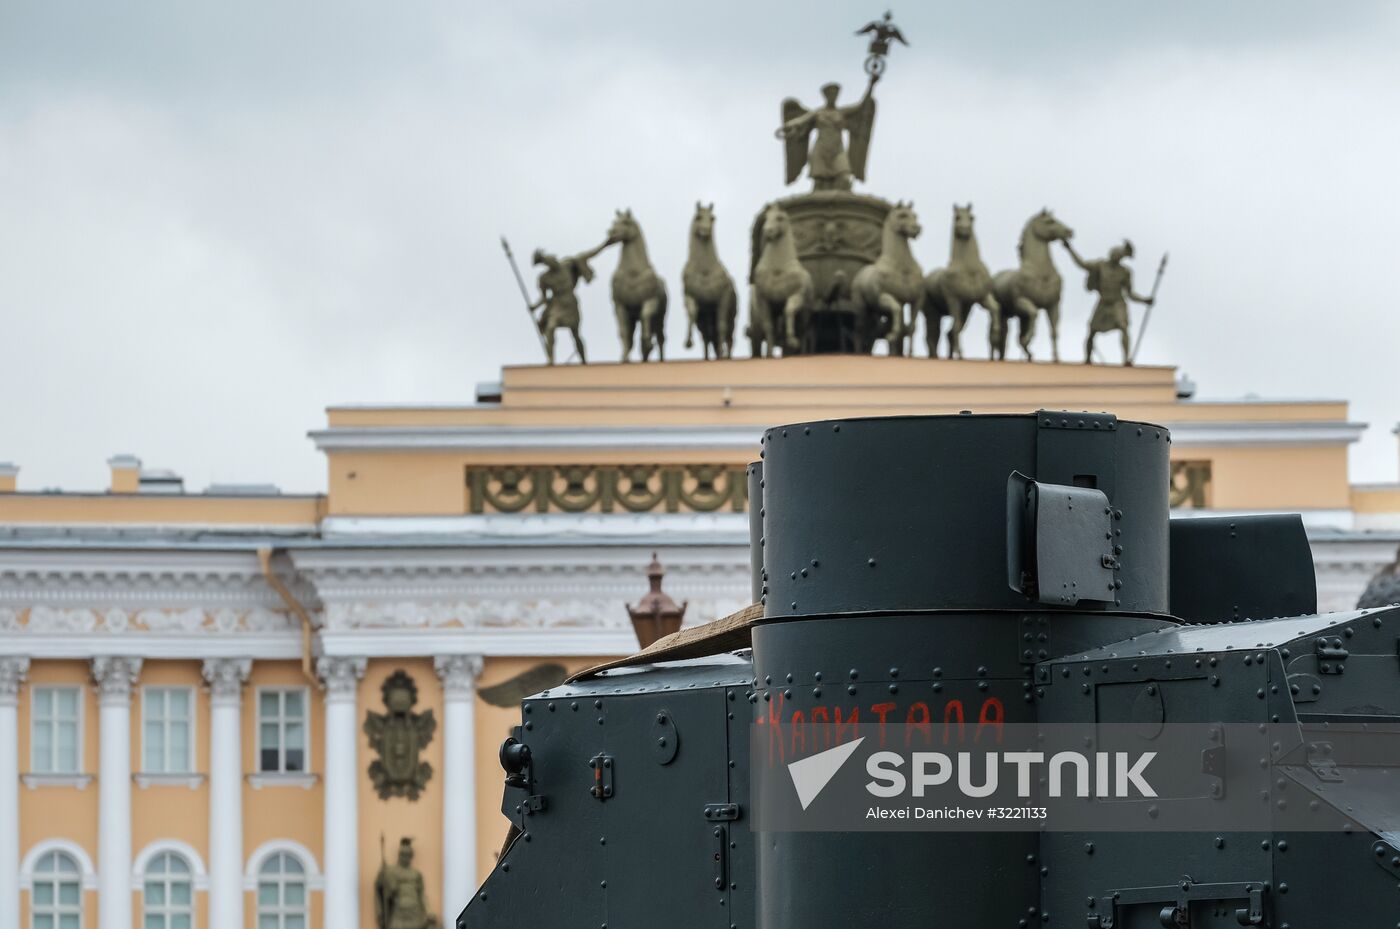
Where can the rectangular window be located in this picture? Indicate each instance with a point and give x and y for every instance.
(282, 723)
(167, 730)
(56, 718)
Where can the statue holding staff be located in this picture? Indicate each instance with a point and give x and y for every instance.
(557, 284)
(830, 162)
(1114, 284)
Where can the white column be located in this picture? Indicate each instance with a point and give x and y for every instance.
(458, 674)
(226, 677)
(13, 671)
(114, 678)
(342, 855)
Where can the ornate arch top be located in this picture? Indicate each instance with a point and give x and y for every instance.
(314, 878)
(68, 847)
(199, 875)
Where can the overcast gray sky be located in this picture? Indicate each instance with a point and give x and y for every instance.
(216, 219)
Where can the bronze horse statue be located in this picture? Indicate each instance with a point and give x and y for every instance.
(781, 292)
(1034, 286)
(711, 303)
(892, 282)
(953, 291)
(638, 292)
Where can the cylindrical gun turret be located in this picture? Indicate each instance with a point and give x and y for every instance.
(929, 562)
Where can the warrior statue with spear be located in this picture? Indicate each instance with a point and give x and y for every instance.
(399, 899)
(557, 283)
(1114, 284)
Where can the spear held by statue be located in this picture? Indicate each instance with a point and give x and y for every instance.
(1151, 302)
(536, 324)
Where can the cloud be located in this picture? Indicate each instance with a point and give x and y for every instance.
(220, 220)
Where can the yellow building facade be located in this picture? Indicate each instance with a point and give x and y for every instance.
(185, 677)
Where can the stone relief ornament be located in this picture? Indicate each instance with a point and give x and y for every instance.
(191, 620)
(399, 736)
(48, 619)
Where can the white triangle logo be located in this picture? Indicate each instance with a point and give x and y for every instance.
(812, 774)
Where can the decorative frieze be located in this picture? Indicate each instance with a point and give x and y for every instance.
(700, 488)
(49, 620)
(677, 488)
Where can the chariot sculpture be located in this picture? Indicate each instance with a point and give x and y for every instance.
(834, 269)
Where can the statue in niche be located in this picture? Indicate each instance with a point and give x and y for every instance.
(399, 736)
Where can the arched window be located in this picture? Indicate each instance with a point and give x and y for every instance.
(56, 898)
(168, 893)
(282, 893)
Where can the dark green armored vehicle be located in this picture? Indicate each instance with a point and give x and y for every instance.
(962, 573)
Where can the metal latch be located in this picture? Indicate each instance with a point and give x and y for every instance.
(602, 766)
(530, 805)
(721, 853)
(1322, 763)
(1330, 655)
(721, 812)
(1173, 903)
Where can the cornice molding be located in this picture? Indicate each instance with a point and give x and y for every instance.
(514, 613)
(565, 530)
(563, 642)
(527, 438)
(1283, 432)
(139, 579)
(745, 438)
